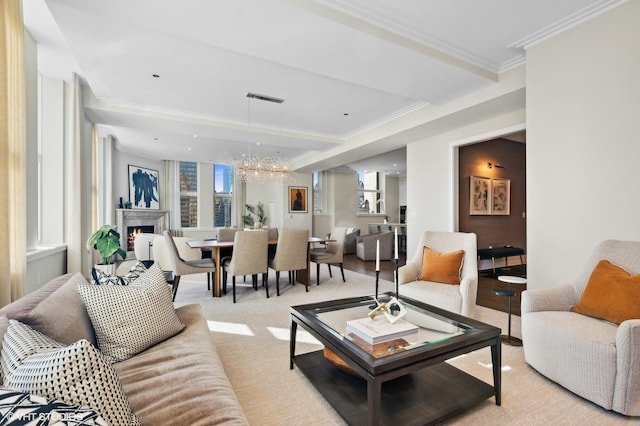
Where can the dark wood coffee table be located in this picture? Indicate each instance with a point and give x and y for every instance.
(404, 383)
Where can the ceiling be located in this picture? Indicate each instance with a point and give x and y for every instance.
(169, 79)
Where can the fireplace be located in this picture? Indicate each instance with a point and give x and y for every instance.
(132, 221)
(132, 231)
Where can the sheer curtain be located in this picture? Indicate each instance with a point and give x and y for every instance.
(13, 182)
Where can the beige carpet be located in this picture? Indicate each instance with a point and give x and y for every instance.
(252, 338)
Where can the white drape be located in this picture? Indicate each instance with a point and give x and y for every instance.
(171, 193)
(13, 142)
(105, 181)
(77, 175)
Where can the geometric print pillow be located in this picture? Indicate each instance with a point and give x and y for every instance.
(129, 319)
(76, 374)
(19, 408)
(102, 278)
(135, 271)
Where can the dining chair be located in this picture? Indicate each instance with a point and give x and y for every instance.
(291, 254)
(181, 267)
(249, 257)
(332, 254)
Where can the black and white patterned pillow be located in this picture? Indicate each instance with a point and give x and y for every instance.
(134, 273)
(77, 373)
(20, 408)
(102, 278)
(130, 319)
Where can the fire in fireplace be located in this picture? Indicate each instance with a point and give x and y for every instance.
(132, 231)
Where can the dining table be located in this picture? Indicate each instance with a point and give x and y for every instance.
(302, 276)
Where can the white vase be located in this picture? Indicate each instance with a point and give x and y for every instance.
(109, 269)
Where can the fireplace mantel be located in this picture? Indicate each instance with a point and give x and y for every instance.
(140, 217)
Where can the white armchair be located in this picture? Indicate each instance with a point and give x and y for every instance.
(593, 358)
(461, 298)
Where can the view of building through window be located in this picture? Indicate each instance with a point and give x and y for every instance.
(222, 193)
(188, 194)
(368, 193)
(317, 192)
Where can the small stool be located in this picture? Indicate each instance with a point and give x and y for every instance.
(508, 339)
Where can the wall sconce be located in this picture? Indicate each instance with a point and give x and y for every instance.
(497, 166)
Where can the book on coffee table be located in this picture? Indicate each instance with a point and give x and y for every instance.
(379, 329)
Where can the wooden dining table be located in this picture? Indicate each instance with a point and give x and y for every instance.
(302, 276)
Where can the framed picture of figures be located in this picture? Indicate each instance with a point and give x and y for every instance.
(480, 195)
(143, 188)
(501, 195)
(298, 199)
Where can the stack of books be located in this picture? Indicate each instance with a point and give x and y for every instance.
(379, 329)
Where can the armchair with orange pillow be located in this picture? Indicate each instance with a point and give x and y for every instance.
(585, 335)
(443, 271)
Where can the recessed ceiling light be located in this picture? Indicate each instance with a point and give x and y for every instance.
(189, 149)
(257, 143)
(195, 136)
(155, 75)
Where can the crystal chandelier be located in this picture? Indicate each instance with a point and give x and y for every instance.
(257, 169)
(254, 169)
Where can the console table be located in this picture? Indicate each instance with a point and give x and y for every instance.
(494, 253)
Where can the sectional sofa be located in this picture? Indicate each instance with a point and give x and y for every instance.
(178, 380)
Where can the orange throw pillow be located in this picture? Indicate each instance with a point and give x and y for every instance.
(441, 267)
(612, 294)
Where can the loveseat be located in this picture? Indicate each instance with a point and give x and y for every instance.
(179, 380)
(585, 335)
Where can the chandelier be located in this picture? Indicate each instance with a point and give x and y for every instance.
(261, 169)
(255, 169)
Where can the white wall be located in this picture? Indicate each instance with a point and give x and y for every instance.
(274, 196)
(121, 162)
(583, 101)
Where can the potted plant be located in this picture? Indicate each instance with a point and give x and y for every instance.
(106, 241)
(258, 211)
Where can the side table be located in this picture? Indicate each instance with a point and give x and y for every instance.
(508, 339)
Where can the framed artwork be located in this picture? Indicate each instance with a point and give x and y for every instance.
(479, 195)
(298, 199)
(501, 189)
(143, 188)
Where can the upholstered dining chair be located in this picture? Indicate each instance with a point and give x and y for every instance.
(333, 254)
(187, 267)
(291, 254)
(249, 258)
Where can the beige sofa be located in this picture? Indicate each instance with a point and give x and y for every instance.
(178, 381)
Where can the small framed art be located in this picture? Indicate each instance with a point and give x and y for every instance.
(501, 195)
(479, 195)
(298, 199)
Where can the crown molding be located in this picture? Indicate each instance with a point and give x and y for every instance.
(571, 21)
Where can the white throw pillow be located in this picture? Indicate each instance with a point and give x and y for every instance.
(76, 374)
(129, 319)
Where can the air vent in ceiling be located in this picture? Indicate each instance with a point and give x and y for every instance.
(265, 98)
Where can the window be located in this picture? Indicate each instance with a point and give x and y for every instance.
(188, 194)
(317, 192)
(368, 194)
(222, 194)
